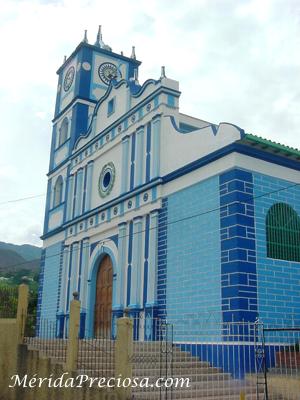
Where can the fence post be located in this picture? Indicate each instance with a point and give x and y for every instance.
(22, 311)
(123, 355)
(72, 343)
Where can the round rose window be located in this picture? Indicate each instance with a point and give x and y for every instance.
(106, 179)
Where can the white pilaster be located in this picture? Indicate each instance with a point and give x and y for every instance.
(79, 193)
(70, 198)
(125, 165)
(155, 159)
(140, 155)
(135, 293)
(122, 263)
(88, 189)
(84, 273)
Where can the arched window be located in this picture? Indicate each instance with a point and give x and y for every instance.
(283, 233)
(63, 131)
(58, 191)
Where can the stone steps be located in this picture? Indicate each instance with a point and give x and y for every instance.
(177, 357)
(92, 373)
(96, 359)
(206, 382)
(233, 394)
(206, 376)
(206, 373)
(144, 364)
(201, 391)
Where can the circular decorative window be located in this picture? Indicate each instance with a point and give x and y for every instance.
(106, 179)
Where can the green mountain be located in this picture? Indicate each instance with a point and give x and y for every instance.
(14, 258)
(27, 251)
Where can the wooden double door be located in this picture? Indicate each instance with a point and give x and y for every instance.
(103, 304)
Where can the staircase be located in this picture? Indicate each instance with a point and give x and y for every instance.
(96, 359)
(206, 382)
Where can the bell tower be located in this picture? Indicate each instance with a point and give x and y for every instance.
(83, 79)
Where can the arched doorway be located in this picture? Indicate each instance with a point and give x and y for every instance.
(103, 303)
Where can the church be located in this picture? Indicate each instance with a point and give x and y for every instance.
(160, 214)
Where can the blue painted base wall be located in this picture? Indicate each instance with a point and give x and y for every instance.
(53, 259)
(238, 360)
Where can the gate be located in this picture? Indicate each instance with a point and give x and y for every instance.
(152, 358)
(166, 358)
(277, 355)
(260, 362)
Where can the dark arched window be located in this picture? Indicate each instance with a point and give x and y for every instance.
(283, 233)
(58, 191)
(63, 131)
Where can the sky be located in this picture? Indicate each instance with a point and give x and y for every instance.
(236, 61)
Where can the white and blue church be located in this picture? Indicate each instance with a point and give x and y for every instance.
(160, 214)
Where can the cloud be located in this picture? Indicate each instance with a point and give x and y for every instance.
(7, 172)
(41, 114)
(31, 235)
(21, 222)
(144, 25)
(236, 61)
(260, 10)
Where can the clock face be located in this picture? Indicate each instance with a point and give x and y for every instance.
(107, 72)
(69, 78)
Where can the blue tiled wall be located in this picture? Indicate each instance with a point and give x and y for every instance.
(238, 257)
(51, 281)
(162, 258)
(193, 291)
(278, 280)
